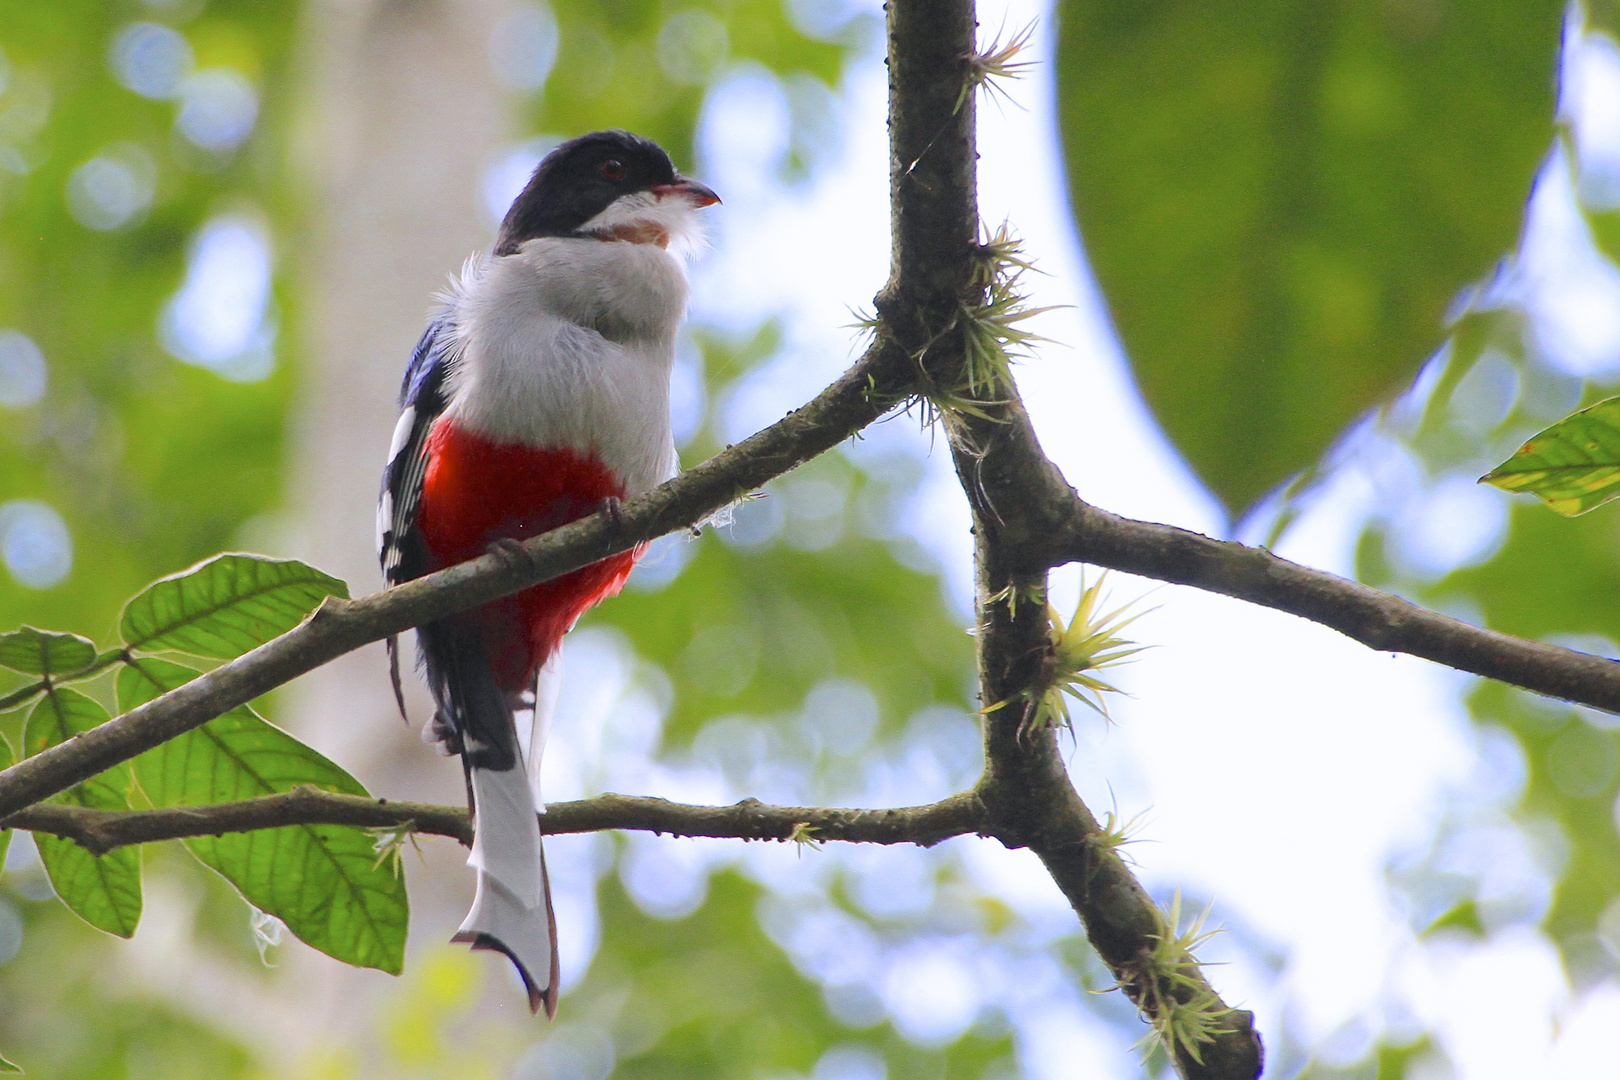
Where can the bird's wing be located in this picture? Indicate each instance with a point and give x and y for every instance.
(400, 544)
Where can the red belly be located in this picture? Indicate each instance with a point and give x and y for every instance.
(477, 491)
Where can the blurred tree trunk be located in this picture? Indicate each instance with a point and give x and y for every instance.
(403, 115)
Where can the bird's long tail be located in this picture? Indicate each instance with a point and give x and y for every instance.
(511, 910)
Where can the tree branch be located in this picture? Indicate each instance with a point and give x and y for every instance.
(931, 184)
(1025, 789)
(1376, 619)
(1026, 517)
(879, 380)
(1041, 523)
(101, 831)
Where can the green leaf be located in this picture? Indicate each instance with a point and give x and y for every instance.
(105, 890)
(323, 881)
(1572, 466)
(8, 1066)
(46, 652)
(225, 606)
(1281, 200)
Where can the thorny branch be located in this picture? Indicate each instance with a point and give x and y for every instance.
(1053, 526)
(941, 313)
(1027, 520)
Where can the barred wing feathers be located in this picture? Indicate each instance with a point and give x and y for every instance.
(400, 545)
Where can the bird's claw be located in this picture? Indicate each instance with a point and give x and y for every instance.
(612, 510)
(441, 736)
(512, 552)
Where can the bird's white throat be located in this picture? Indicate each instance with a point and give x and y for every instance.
(669, 220)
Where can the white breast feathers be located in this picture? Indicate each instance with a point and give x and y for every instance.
(569, 343)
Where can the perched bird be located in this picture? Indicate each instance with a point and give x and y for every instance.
(538, 394)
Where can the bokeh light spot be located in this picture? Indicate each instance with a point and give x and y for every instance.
(930, 993)
(505, 176)
(721, 660)
(850, 1061)
(35, 544)
(839, 716)
(1459, 524)
(666, 880)
(1484, 397)
(11, 932)
(662, 562)
(218, 318)
(571, 1053)
(1592, 104)
(523, 47)
(688, 396)
(218, 109)
(22, 370)
(113, 188)
(754, 522)
(815, 512)
(744, 133)
(825, 20)
(150, 59)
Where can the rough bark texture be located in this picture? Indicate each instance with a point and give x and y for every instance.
(1027, 795)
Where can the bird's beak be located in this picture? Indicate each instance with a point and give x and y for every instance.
(700, 194)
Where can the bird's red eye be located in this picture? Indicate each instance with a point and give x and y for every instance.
(612, 169)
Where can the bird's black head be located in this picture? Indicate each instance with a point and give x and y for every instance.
(583, 177)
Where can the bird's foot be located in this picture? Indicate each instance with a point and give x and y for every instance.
(512, 552)
(441, 736)
(612, 509)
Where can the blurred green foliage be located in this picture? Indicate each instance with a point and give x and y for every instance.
(1282, 199)
(723, 1010)
(1280, 202)
(644, 64)
(1550, 578)
(154, 464)
(754, 630)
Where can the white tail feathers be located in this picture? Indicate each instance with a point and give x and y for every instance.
(511, 910)
(547, 688)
